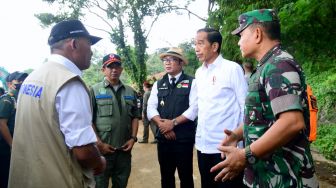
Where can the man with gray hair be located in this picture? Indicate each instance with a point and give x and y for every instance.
(54, 143)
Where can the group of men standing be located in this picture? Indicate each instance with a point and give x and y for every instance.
(66, 133)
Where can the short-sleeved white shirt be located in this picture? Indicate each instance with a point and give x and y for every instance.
(73, 107)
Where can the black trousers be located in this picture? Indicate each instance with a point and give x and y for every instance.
(4, 169)
(174, 156)
(205, 163)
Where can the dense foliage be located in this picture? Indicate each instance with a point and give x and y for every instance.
(118, 16)
(326, 142)
(308, 32)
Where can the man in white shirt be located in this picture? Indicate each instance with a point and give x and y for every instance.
(172, 105)
(221, 91)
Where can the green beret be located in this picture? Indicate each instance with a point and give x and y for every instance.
(255, 16)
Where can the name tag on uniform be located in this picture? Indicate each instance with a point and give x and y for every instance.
(103, 96)
(129, 97)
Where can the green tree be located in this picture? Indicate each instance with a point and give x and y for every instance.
(190, 54)
(94, 74)
(308, 32)
(118, 15)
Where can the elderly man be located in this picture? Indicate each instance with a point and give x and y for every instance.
(54, 143)
(277, 152)
(172, 106)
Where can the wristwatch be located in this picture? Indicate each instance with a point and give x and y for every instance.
(251, 159)
(134, 138)
(175, 122)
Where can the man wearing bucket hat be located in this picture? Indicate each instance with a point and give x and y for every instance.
(221, 90)
(277, 152)
(115, 119)
(54, 144)
(172, 106)
(7, 121)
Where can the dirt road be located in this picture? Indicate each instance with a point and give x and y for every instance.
(145, 166)
(146, 173)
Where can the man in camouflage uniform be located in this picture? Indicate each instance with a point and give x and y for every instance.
(277, 152)
(115, 119)
(7, 121)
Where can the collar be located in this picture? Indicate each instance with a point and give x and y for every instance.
(269, 54)
(107, 83)
(13, 93)
(65, 62)
(176, 76)
(217, 61)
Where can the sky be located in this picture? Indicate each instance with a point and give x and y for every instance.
(24, 41)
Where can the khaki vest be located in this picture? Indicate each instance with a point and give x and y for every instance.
(40, 157)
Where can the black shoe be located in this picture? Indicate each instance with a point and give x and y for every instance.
(143, 142)
(154, 142)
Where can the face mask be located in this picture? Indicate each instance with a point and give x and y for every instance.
(18, 86)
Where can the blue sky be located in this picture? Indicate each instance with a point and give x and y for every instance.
(24, 41)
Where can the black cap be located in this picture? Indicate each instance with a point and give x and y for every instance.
(20, 76)
(111, 58)
(68, 29)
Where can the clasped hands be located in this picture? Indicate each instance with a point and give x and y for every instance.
(234, 161)
(105, 148)
(166, 128)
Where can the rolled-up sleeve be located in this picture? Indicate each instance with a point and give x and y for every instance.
(240, 89)
(75, 115)
(191, 112)
(152, 103)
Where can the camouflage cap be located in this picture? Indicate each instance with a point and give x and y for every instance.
(255, 16)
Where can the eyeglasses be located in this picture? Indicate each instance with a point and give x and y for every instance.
(115, 65)
(167, 60)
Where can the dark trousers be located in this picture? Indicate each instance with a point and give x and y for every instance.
(4, 170)
(205, 163)
(146, 125)
(118, 168)
(172, 156)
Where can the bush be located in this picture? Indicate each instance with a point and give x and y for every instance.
(326, 141)
(323, 81)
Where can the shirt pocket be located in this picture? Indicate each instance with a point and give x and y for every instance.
(104, 107)
(130, 107)
(104, 132)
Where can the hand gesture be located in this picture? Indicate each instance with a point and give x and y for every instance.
(128, 145)
(233, 164)
(105, 148)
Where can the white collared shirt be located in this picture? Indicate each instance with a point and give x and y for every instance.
(190, 113)
(73, 107)
(221, 91)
